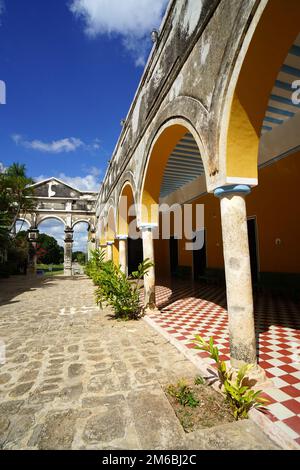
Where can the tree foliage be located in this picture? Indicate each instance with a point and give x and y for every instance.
(48, 250)
(15, 197)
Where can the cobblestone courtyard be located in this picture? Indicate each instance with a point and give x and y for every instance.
(76, 379)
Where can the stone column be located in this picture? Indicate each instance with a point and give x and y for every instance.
(149, 279)
(68, 251)
(123, 253)
(91, 243)
(33, 234)
(109, 251)
(238, 274)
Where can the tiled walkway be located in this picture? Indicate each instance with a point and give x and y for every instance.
(187, 310)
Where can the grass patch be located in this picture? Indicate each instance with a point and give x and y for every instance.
(198, 406)
(53, 273)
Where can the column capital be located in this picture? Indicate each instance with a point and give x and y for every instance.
(122, 237)
(147, 227)
(110, 243)
(241, 189)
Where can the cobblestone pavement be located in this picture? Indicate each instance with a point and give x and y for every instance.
(73, 378)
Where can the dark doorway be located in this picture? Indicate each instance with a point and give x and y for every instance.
(199, 258)
(135, 254)
(252, 235)
(173, 255)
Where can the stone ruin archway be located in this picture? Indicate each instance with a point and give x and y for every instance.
(55, 199)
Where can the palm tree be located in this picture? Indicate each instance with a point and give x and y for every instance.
(16, 194)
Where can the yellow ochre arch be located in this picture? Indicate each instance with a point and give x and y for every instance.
(251, 86)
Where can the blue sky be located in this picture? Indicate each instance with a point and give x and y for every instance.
(71, 69)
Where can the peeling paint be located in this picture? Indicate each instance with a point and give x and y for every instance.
(136, 112)
(158, 75)
(192, 15)
(176, 87)
(204, 52)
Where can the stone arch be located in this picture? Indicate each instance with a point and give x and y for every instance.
(126, 207)
(23, 219)
(49, 217)
(158, 150)
(266, 44)
(110, 227)
(79, 221)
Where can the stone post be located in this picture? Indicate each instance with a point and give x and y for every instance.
(109, 251)
(123, 253)
(91, 243)
(149, 279)
(33, 234)
(238, 274)
(68, 251)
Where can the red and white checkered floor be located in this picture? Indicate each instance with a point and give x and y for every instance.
(190, 309)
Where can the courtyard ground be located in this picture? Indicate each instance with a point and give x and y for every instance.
(188, 309)
(73, 378)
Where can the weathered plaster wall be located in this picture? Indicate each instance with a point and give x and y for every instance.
(187, 76)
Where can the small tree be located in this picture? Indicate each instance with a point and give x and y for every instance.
(116, 289)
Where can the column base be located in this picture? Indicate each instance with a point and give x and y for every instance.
(67, 272)
(150, 310)
(256, 377)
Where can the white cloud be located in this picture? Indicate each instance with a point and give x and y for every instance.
(66, 145)
(2, 168)
(133, 20)
(69, 144)
(89, 182)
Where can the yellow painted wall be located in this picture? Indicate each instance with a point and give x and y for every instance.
(276, 204)
(116, 252)
(274, 35)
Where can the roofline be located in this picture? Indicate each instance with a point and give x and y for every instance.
(62, 182)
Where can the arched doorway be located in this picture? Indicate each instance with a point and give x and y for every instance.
(82, 245)
(129, 236)
(175, 166)
(49, 245)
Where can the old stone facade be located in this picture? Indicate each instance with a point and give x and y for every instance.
(54, 199)
(213, 122)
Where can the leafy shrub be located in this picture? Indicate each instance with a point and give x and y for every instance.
(95, 264)
(238, 394)
(114, 288)
(183, 394)
(199, 380)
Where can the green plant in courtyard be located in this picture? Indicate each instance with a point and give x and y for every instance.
(95, 265)
(199, 380)
(183, 394)
(239, 395)
(116, 289)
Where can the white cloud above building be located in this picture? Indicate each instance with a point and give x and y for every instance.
(132, 20)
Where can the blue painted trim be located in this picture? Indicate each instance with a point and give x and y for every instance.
(148, 226)
(232, 189)
(290, 70)
(295, 50)
(283, 85)
(273, 120)
(281, 99)
(281, 112)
